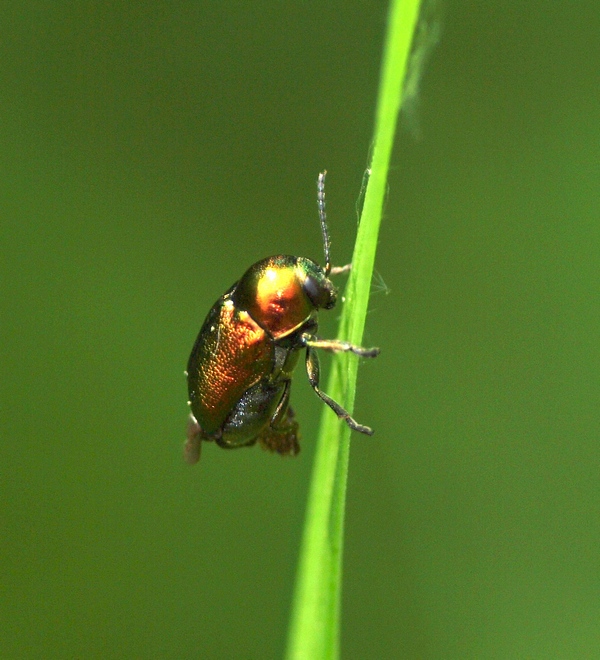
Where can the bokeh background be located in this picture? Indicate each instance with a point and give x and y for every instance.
(150, 152)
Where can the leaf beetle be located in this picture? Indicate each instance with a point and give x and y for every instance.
(240, 369)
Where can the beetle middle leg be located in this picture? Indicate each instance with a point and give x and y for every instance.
(312, 369)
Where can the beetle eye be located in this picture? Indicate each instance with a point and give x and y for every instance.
(321, 292)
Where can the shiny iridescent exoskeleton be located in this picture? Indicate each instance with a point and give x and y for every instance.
(240, 369)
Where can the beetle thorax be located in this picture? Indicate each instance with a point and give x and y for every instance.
(271, 292)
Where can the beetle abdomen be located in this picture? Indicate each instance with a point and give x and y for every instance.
(231, 354)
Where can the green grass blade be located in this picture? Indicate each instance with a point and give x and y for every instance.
(314, 624)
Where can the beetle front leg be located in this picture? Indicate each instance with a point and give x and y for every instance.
(312, 369)
(338, 346)
(338, 270)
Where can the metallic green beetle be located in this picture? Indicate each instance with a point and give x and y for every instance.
(240, 369)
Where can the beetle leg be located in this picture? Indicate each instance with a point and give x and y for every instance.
(282, 439)
(338, 270)
(312, 369)
(337, 346)
(282, 435)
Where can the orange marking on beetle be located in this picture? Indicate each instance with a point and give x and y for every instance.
(275, 290)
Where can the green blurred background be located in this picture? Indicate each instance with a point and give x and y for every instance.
(150, 152)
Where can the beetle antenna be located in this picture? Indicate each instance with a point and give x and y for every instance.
(323, 219)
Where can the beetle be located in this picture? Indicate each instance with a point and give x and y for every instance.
(240, 369)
